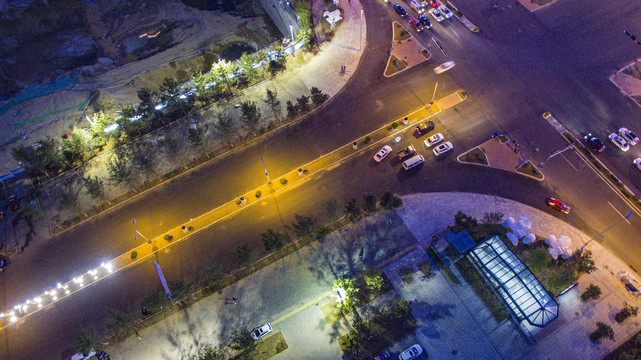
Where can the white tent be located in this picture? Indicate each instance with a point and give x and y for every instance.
(508, 222)
(333, 17)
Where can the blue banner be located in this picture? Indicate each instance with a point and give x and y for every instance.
(162, 280)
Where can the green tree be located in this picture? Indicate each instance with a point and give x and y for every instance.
(591, 292)
(156, 301)
(210, 353)
(273, 240)
(374, 281)
(305, 33)
(243, 342)
(464, 222)
(318, 97)
(302, 103)
(246, 63)
(602, 331)
(369, 203)
(538, 260)
(170, 145)
(388, 200)
(352, 210)
(632, 354)
(492, 218)
(42, 158)
(627, 311)
(118, 320)
(585, 262)
(67, 197)
(94, 187)
(85, 339)
(119, 169)
(303, 227)
(221, 71)
(349, 290)
(196, 137)
(292, 110)
(242, 254)
(250, 116)
(225, 128)
(100, 120)
(272, 101)
(209, 272)
(332, 210)
(74, 146)
(146, 104)
(169, 91)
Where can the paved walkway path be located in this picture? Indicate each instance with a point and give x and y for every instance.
(291, 291)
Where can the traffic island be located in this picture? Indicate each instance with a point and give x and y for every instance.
(405, 51)
(501, 153)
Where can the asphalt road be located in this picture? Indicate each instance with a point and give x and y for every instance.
(517, 67)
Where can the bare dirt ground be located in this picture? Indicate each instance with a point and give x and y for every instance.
(197, 32)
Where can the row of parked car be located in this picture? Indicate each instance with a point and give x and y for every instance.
(624, 139)
(437, 10)
(408, 155)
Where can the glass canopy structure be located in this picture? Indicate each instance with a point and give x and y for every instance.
(524, 295)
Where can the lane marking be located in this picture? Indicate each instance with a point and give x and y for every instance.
(617, 211)
(569, 162)
(301, 308)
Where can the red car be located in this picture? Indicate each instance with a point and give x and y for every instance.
(416, 25)
(434, 3)
(558, 206)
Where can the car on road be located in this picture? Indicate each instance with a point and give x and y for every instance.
(443, 148)
(444, 67)
(411, 353)
(557, 205)
(433, 140)
(261, 331)
(593, 141)
(629, 136)
(382, 154)
(637, 163)
(424, 127)
(445, 11)
(382, 356)
(436, 15)
(399, 10)
(416, 25)
(617, 140)
(631, 284)
(407, 152)
(426, 23)
(434, 3)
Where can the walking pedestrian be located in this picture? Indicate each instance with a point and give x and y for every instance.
(234, 300)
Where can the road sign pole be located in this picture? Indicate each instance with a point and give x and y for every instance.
(264, 167)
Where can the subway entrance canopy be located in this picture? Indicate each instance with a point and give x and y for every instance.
(523, 293)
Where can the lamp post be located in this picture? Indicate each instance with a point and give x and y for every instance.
(136, 234)
(555, 153)
(264, 167)
(602, 232)
(435, 87)
(291, 31)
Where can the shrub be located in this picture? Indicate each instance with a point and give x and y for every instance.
(602, 331)
(168, 237)
(626, 312)
(283, 181)
(258, 193)
(395, 125)
(134, 254)
(592, 292)
(367, 139)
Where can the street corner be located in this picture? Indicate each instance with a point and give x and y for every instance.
(628, 80)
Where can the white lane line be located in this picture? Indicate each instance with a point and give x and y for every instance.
(566, 159)
(617, 211)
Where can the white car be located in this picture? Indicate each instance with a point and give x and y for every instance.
(411, 353)
(382, 154)
(446, 12)
(619, 141)
(261, 331)
(444, 67)
(433, 140)
(629, 136)
(631, 284)
(637, 162)
(443, 148)
(80, 356)
(436, 15)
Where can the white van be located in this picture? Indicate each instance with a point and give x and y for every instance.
(413, 162)
(417, 6)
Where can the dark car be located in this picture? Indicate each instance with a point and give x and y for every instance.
(424, 127)
(4, 262)
(594, 142)
(382, 356)
(426, 23)
(399, 10)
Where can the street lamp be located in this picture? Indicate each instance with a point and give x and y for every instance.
(555, 153)
(264, 167)
(291, 31)
(136, 233)
(435, 87)
(602, 232)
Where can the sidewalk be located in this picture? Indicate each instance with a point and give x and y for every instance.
(292, 291)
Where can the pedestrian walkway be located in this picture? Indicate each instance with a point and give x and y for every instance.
(292, 291)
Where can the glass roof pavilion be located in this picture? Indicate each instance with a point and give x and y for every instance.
(523, 293)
